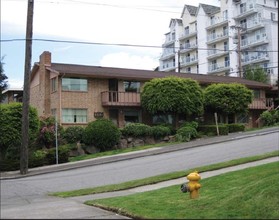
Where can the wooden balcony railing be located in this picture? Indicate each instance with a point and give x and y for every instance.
(262, 103)
(114, 98)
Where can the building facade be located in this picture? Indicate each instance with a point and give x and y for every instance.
(223, 40)
(79, 94)
(12, 95)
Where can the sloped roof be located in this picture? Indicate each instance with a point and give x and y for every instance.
(179, 21)
(210, 9)
(73, 70)
(191, 9)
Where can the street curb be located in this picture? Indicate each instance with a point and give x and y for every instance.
(125, 156)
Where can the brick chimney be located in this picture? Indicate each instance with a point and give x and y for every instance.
(45, 58)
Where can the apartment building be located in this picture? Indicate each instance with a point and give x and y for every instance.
(78, 94)
(223, 40)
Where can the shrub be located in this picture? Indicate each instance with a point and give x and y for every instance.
(9, 165)
(235, 127)
(73, 134)
(270, 117)
(101, 133)
(192, 124)
(47, 133)
(63, 155)
(10, 128)
(38, 158)
(137, 130)
(211, 129)
(159, 131)
(186, 133)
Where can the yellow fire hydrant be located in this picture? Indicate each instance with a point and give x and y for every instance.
(193, 186)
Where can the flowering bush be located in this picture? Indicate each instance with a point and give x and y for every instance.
(47, 131)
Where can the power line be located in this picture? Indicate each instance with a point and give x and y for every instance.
(124, 45)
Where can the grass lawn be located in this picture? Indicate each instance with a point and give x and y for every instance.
(252, 193)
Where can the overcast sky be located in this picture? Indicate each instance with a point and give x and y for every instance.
(95, 21)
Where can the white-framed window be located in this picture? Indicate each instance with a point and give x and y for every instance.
(74, 84)
(71, 115)
(53, 84)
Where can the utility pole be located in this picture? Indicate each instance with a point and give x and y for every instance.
(239, 28)
(26, 90)
(239, 53)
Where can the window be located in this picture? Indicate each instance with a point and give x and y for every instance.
(227, 61)
(272, 16)
(131, 116)
(53, 112)
(225, 30)
(226, 48)
(225, 15)
(130, 86)
(74, 115)
(74, 84)
(187, 30)
(162, 119)
(256, 93)
(242, 8)
(53, 84)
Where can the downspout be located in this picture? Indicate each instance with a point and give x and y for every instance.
(60, 100)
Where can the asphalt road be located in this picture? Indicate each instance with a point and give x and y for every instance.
(142, 167)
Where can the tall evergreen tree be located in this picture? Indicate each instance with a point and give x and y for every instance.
(3, 78)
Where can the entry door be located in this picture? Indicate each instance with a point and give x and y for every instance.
(113, 90)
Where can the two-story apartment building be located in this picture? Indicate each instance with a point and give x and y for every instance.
(223, 40)
(78, 94)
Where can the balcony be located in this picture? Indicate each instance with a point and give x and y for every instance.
(215, 53)
(262, 103)
(188, 61)
(245, 11)
(254, 58)
(187, 34)
(253, 42)
(219, 67)
(188, 47)
(251, 25)
(216, 22)
(213, 38)
(167, 53)
(115, 98)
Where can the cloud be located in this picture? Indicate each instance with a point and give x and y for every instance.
(15, 83)
(126, 60)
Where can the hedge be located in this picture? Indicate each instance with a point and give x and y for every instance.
(211, 129)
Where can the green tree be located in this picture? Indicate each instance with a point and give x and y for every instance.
(228, 98)
(3, 78)
(172, 95)
(10, 128)
(257, 74)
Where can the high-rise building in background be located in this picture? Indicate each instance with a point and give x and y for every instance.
(223, 40)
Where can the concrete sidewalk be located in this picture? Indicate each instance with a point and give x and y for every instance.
(136, 154)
